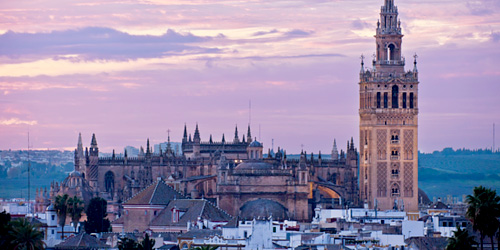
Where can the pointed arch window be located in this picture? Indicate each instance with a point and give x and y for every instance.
(379, 97)
(386, 100)
(404, 100)
(411, 100)
(395, 190)
(109, 182)
(395, 99)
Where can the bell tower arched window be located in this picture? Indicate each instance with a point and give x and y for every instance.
(109, 182)
(411, 100)
(395, 99)
(379, 97)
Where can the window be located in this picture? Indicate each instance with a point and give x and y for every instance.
(109, 182)
(274, 229)
(53, 217)
(411, 100)
(395, 173)
(394, 154)
(378, 100)
(386, 100)
(395, 190)
(404, 100)
(245, 234)
(395, 93)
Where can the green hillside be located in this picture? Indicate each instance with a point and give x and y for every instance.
(457, 172)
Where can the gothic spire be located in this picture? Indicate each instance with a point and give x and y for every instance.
(79, 148)
(94, 141)
(223, 139)
(352, 144)
(185, 136)
(236, 139)
(196, 134)
(249, 134)
(210, 140)
(335, 151)
(80, 144)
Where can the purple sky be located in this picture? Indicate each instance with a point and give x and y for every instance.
(131, 69)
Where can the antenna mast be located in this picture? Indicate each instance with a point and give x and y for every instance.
(29, 174)
(249, 112)
(493, 149)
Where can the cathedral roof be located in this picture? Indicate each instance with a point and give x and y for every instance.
(157, 193)
(254, 165)
(255, 144)
(81, 241)
(192, 210)
(263, 208)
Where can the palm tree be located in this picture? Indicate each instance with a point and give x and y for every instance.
(484, 208)
(26, 236)
(75, 210)
(206, 247)
(461, 240)
(61, 207)
(127, 244)
(147, 243)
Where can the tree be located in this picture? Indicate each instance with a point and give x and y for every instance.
(461, 240)
(127, 244)
(96, 216)
(147, 243)
(207, 247)
(483, 211)
(61, 207)
(25, 235)
(5, 228)
(75, 210)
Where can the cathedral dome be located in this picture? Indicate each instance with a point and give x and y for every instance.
(255, 144)
(250, 165)
(263, 208)
(75, 174)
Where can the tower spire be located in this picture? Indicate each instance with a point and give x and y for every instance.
(196, 137)
(236, 139)
(249, 135)
(185, 136)
(93, 143)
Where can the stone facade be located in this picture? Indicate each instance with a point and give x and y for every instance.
(216, 171)
(389, 121)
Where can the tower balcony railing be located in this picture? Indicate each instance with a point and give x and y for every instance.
(392, 62)
(394, 157)
(394, 141)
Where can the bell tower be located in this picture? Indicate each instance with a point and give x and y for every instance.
(388, 126)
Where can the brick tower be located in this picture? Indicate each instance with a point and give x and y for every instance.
(388, 125)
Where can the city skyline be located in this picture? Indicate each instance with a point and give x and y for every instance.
(131, 70)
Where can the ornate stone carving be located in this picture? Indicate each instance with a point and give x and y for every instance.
(381, 179)
(408, 179)
(382, 144)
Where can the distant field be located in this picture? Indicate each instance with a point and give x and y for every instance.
(18, 187)
(457, 173)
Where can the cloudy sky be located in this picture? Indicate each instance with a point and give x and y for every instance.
(132, 69)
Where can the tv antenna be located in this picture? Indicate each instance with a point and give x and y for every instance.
(29, 174)
(249, 112)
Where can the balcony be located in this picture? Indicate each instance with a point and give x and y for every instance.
(394, 141)
(394, 157)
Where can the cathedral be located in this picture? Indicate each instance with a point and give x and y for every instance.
(234, 174)
(388, 125)
(240, 178)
